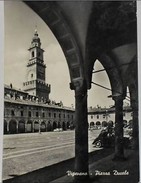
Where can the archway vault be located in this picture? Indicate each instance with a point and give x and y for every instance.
(85, 30)
(59, 21)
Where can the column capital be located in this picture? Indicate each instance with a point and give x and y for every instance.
(79, 85)
(118, 97)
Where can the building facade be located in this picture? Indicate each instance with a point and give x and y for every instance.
(30, 109)
(25, 114)
(102, 116)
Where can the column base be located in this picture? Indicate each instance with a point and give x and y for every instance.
(135, 144)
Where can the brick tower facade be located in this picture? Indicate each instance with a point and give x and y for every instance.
(35, 77)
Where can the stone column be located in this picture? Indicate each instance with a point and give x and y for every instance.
(81, 135)
(25, 127)
(32, 126)
(17, 127)
(119, 145)
(7, 127)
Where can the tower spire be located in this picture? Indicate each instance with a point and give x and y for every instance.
(35, 32)
(36, 40)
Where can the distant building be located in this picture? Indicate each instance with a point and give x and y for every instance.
(30, 109)
(98, 116)
(23, 113)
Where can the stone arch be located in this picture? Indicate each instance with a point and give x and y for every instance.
(115, 79)
(36, 126)
(104, 123)
(103, 36)
(29, 126)
(54, 125)
(5, 127)
(132, 81)
(21, 126)
(13, 126)
(121, 78)
(59, 124)
(110, 123)
(43, 126)
(92, 124)
(49, 128)
(64, 125)
(68, 125)
(72, 126)
(63, 33)
(98, 123)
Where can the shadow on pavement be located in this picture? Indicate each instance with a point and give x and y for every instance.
(50, 173)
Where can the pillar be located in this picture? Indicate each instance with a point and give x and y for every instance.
(119, 143)
(32, 126)
(17, 127)
(25, 126)
(81, 135)
(7, 127)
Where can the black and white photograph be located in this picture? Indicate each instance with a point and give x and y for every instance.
(71, 92)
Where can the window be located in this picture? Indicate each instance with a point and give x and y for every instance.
(37, 114)
(31, 75)
(12, 113)
(55, 115)
(59, 115)
(104, 115)
(29, 113)
(91, 116)
(32, 53)
(21, 113)
(49, 114)
(124, 114)
(64, 115)
(97, 116)
(43, 114)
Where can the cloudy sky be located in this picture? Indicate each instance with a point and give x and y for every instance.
(20, 22)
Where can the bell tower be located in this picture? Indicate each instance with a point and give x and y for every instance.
(35, 77)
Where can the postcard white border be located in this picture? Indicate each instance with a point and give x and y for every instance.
(1, 81)
(2, 77)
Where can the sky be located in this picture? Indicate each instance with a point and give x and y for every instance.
(19, 25)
